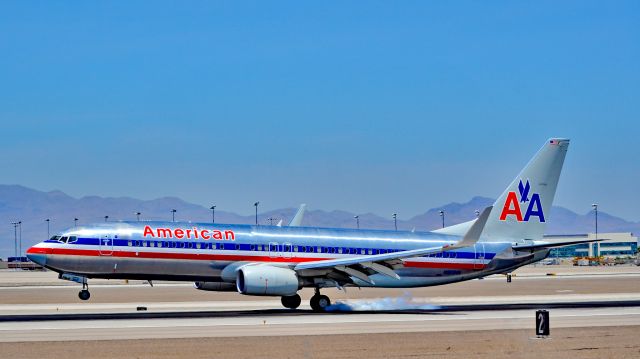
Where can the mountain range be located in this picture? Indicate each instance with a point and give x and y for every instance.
(33, 207)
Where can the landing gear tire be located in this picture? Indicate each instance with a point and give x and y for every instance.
(84, 294)
(291, 301)
(319, 303)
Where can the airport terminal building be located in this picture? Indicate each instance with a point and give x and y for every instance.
(614, 245)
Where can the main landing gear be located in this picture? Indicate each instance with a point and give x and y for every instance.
(291, 301)
(319, 303)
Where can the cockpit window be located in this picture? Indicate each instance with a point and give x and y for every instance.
(72, 239)
(55, 238)
(63, 239)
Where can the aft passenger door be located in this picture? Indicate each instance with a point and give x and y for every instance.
(478, 262)
(105, 248)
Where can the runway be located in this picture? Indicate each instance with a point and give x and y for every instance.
(593, 314)
(280, 323)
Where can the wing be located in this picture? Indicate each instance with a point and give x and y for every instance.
(385, 263)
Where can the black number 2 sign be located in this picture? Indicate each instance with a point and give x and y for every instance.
(542, 323)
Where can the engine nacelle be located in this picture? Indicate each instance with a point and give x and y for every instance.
(267, 280)
(215, 286)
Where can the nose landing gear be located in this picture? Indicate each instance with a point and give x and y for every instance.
(319, 303)
(84, 293)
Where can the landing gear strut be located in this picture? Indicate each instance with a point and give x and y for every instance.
(291, 301)
(84, 293)
(319, 303)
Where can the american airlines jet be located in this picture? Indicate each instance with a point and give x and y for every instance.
(279, 261)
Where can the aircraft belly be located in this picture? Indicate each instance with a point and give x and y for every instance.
(126, 267)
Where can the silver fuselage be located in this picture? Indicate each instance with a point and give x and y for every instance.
(207, 252)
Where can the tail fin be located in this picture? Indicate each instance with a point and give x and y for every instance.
(522, 210)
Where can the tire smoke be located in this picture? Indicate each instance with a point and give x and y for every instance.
(405, 302)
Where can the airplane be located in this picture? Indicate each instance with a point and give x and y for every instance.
(277, 261)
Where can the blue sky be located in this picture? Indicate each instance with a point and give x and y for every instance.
(363, 106)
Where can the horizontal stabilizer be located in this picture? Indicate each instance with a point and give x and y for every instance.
(543, 244)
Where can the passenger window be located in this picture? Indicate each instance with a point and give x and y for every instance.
(129, 243)
(340, 250)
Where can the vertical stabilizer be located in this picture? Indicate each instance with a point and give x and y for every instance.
(522, 211)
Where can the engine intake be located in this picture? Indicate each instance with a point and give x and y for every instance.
(267, 280)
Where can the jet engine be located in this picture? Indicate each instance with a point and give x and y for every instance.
(215, 286)
(267, 280)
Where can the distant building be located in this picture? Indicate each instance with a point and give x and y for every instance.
(614, 245)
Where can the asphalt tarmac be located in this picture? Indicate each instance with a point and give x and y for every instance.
(37, 313)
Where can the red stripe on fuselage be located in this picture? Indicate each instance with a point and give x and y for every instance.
(236, 257)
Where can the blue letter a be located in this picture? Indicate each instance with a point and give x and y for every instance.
(535, 200)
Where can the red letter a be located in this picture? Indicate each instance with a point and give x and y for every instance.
(512, 201)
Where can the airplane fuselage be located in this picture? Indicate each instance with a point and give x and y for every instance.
(211, 253)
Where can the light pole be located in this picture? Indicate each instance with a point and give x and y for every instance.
(256, 205)
(15, 238)
(106, 218)
(213, 214)
(596, 245)
(357, 221)
(442, 215)
(48, 220)
(138, 216)
(173, 215)
(395, 221)
(20, 239)
(75, 222)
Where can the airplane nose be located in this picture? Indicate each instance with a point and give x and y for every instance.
(38, 255)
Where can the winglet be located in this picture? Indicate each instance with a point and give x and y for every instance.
(297, 219)
(473, 234)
